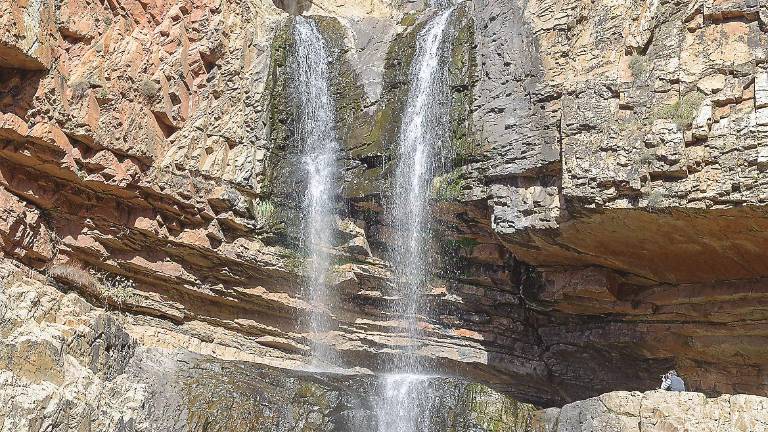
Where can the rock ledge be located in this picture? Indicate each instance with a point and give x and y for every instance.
(657, 411)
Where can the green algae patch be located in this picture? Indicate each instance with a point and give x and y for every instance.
(487, 410)
(311, 394)
(462, 73)
(409, 19)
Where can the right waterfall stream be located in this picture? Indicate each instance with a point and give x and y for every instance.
(405, 400)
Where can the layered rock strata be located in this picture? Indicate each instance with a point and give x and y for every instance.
(67, 365)
(602, 201)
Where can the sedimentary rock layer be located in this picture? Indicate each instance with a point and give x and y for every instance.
(601, 206)
(67, 365)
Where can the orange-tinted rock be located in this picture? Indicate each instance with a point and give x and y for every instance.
(608, 236)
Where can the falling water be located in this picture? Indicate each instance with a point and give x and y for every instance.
(404, 406)
(406, 403)
(315, 130)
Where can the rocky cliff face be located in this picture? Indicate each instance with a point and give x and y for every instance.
(601, 206)
(67, 365)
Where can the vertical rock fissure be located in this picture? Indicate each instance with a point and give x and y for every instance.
(319, 150)
(406, 390)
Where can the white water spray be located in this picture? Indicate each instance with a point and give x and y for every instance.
(320, 149)
(406, 395)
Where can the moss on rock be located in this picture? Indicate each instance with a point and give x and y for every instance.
(462, 78)
(486, 410)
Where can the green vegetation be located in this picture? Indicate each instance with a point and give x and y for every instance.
(464, 150)
(467, 244)
(148, 88)
(647, 158)
(346, 89)
(312, 394)
(492, 411)
(294, 261)
(682, 112)
(689, 107)
(464, 244)
(382, 128)
(447, 187)
(637, 65)
(462, 70)
(118, 288)
(666, 111)
(265, 213)
(409, 19)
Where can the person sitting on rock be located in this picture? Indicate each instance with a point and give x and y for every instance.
(670, 381)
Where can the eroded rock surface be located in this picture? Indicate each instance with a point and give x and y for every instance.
(601, 211)
(657, 411)
(67, 365)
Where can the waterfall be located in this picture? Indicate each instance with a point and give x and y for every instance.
(404, 405)
(422, 133)
(320, 148)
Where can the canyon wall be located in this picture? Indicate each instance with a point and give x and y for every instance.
(68, 365)
(601, 209)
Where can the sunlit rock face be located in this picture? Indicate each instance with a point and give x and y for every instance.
(67, 365)
(601, 220)
(656, 411)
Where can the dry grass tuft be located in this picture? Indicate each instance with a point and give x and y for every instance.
(110, 288)
(75, 273)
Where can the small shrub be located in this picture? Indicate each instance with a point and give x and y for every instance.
(637, 65)
(666, 111)
(294, 262)
(148, 88)
(464, 245)
(312, 394)
(464, 152)
(409, 19)
(447, 188)
(682, 112)
(118, 289)
(647, 158)
(79, 88)
(655, 199)
(689, 107)
(74, 273)
(468, 244)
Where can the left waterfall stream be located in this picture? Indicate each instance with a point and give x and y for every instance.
(319, 152)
